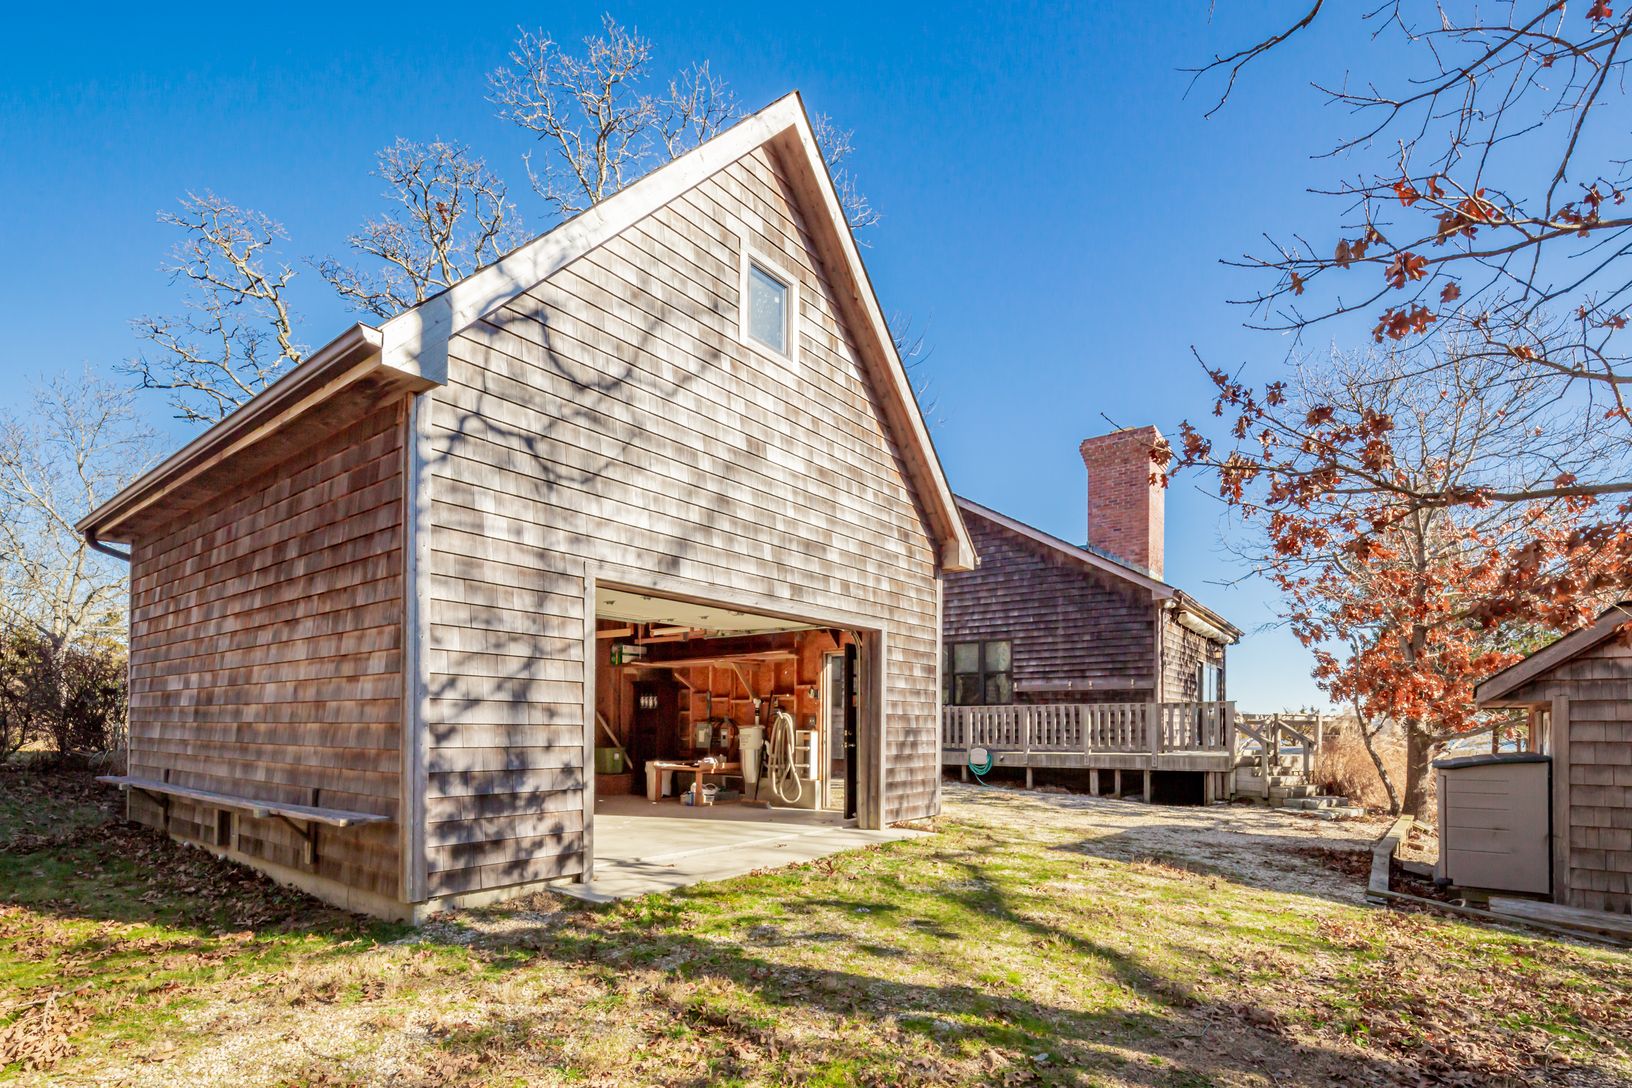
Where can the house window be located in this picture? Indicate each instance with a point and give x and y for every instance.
(1209, 679)
(768, 319)
(767, 309)
(978, 673)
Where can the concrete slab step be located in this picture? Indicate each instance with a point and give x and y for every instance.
(1337, 808)
(1300, 791)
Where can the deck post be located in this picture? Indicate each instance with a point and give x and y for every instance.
(1093, 781)
(1028, 775)
(1209, 788)
(1116, 784)
(964, 770)
(1272, 738)
(1148, 773)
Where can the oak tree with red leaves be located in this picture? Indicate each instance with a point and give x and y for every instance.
(1479, 227)
(1487, 206)
(1407, 605)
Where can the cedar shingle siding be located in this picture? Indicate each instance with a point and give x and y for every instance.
(612, 415)
(1067, 624)
(266, 651)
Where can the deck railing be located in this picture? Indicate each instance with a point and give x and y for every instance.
(1089, 728)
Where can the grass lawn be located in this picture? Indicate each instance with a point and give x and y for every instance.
(1034, 939)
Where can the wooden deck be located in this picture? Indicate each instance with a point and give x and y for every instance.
(1115, 737)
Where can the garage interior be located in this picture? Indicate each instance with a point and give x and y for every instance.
(706, 711)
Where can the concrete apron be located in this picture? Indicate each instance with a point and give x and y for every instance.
(642, 848)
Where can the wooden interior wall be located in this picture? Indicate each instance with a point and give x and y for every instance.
(1067, 624)
(1182, 651)
(266, 650)
(1598, 685)
(733, 685)
(612, 418)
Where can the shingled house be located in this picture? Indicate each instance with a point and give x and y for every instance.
(1090, 631)
(371, 610)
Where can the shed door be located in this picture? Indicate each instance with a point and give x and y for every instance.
(1494, 827)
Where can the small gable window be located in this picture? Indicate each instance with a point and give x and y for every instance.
(768, 317)
(767, 308)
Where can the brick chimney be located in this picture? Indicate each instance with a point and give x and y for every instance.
(1126, 513)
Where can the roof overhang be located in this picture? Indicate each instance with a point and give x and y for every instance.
(1192, 615)
(1497, 690)
(417, 340)
(412, 347)
(1201, 619)
(1158, 588)
(350, 360)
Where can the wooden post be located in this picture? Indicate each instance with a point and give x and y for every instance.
(1209, 787)
(1093, 781)
(1154, 724)
(965, 769)
(1116, 784)
(1028, 777)
(1272, 738)
(1560, 729)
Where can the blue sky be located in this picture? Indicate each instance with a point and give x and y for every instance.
(1054, 208)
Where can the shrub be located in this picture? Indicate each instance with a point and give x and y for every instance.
(71, 698)
(1343, 767)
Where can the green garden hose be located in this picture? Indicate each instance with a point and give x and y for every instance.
(980, 763)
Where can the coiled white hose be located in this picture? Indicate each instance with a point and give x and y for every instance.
(779, 754)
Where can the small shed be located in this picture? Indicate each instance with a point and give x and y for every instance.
(1495, 830)
(1578, 692)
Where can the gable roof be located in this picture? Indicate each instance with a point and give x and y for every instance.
(412, 347)
(1097, 560)
(1500, 685)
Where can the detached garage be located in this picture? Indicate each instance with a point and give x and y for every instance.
(375, 611)
(1578, 695)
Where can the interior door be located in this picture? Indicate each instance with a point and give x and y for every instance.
(653, 732)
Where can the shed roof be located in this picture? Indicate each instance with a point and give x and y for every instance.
(1494, 689)
(412, 347)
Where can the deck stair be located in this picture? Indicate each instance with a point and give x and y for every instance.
(1282, 778)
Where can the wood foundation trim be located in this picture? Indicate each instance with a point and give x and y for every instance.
(1561, 798)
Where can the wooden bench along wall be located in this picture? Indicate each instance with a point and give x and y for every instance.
(611, 417)
(266, 652)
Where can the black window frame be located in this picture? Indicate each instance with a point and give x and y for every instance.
(983, 675)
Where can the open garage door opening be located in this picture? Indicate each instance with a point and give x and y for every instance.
(712, 722)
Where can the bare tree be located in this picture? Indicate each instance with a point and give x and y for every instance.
(450, 216)
(1487, 200)
(77, 442)
(600, 127)
(837, 145)
(235, 336)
